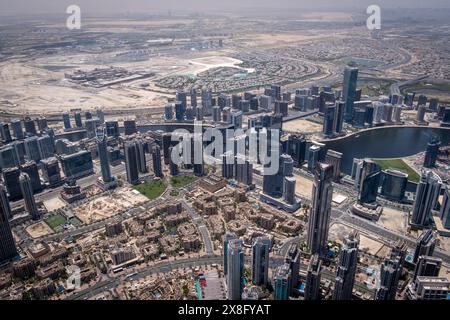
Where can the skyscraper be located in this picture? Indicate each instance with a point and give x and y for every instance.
(444, 214)
(131, 163)
(329, 123)
(130, 127)
(319, 216)
(4, 202)
(78, 121)
(5, 133)
(102, 147)
(140, 156)
(427, 267)
(393, 184)
(369, 182)
(432, 153)
(7, 245)
(260, 261)
(157, 166)
(425, 244)
(427, 194)
(346, 270)
(282, 282)
(235, 269)
(28, 196)
(349, 92)
(390, 273)
(31, 168)
(292, 258)
(312, 285)
(66, 120)
(16, 125)
(225, 240)
(334, 158)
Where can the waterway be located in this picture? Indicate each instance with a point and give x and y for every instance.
(385, 142)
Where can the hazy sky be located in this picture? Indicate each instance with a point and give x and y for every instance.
(8, 7)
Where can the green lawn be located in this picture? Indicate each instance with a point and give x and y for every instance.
(55, 221)
(151, 190)
(400, 165)
(181, 181)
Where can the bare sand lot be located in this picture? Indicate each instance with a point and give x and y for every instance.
(109, 205)
(54, 204)
(39, 229)
(302, 126)
(303, 186)
(393, 219)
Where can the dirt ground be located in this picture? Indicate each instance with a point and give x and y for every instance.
(38, 230)
(302, 126)
(394, 220)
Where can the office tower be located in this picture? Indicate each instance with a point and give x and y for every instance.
(32, 148)
(329, 117)
(369, 182)
(445, 122)
(300, 102)
(282, 282)
(100, 115)
(289, 183)
(168, 112)
(42, 123)
(165, 145)
(260, 261)
(433, 106)
(51, 171)
(265, 102)
(427, 194)
(235, 100)
(369, 115)
(181, 96)
(173, 167)
(46, 146)
(398, 114)
(312, 285)
(7, 245)
(334, 158)
(179, 111)
(88, 115)
(28, 196)
(216, 113)
(112, 128)
(339, 120)
(30, 127)
(206, 102)
(444, 214)
(243, 170)
(16, 125)
(390, 272)
(313, 157)
(319, 216)
(140, 156)
(235, 269)
(349, 92)
(273, 184)
(19, 154)
(281, 107)
(78, 121)
(244, 106)
(130, 127)
(393, 184)
(422, 100)
(11, 181)
(5, 133)
(131, 164)
(66, 121)
(194, 98)
(4, 202)
(427, 267)
(431, 153)
(346, 270)
(157, 166)
(199, 114)
(292, 259)
(102, 148)
(276, 89)
(225, 240)
(77, 165)
(428, 288)
(31, 169)
(228, 165)
(199, 169)
(425, 245)
(359, 117)
(297, 149)
(9, 157)
(236, 118)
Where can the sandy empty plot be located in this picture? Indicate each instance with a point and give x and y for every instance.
(303, 186)
(394, 220)
(38, 230)
(302, 126)
(54, 204)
